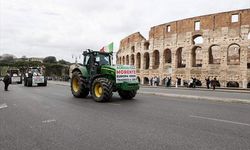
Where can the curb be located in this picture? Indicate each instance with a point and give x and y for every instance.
(232, 100)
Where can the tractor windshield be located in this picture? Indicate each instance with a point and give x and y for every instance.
(103, 59)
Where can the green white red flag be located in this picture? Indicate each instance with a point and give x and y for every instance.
(109, 48)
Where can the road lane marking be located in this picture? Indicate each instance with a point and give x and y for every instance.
(3, 106)
(48, 121)
(115, 104)
(220, 120)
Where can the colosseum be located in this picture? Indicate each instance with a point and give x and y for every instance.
(215, 45)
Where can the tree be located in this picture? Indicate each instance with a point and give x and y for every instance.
(63, 62)
(7, 58)
(50, 59)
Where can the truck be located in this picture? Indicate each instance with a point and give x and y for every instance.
(98, 77)
(35, 76)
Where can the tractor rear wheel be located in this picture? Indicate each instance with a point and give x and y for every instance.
(78, 86)
(127, 94)
(102, 89)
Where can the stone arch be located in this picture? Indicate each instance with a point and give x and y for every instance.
(138, 60)
(146, 60)
(232, 84)
(132, 59)
(167, 56)
(233, 54)
(127, 60)
(146, 45)
(146, 80)
(139, 79)
(120, 60)
(180, 58)
(196, 56)
(197, 39)
(123, 60)
(214, 54)
(132, 49)
(248, 84)
(156, 59)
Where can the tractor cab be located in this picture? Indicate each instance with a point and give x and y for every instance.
(93, 61)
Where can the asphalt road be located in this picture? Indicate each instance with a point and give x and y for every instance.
(50, 118)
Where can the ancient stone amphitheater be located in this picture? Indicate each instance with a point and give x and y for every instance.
(215, 45)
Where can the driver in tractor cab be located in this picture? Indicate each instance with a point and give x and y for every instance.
(102, 60)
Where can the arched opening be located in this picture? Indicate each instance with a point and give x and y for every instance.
(133, 49)
(120, 60)
(233, 54)
(127, 60)
(214, 54)
(139, 79)
(132, 62)
(248, 84)
(197, 39)
(167, 56)
(138, 60)
(123, 60)
(146, 45)
(146, 60)
(180, 58)
(232, 84)
(197, 57)
(156, 59)
(146, 80)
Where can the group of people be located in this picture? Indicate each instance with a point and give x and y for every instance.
(212, 83)
(155, 81)
(168, 81)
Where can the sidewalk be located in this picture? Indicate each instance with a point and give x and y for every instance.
(218, 89)
(238, 96)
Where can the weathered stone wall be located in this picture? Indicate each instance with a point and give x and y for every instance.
(219, 48)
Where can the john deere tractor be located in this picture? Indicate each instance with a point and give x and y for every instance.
(96, 76)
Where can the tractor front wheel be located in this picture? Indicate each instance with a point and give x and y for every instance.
(102, 89)
(78, 87)
(127, 94)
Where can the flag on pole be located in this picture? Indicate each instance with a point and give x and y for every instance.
(109, 48)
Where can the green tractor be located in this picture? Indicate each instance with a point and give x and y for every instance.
(98, 77)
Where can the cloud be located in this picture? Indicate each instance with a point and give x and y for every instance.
(62, 28)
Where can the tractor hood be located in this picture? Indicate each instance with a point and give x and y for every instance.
(122, 73)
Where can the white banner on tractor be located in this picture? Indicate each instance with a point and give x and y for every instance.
(125, 73)
(38, 79)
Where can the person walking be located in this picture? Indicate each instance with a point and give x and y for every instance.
(166, 82)
(213, 83)
(176, 82)
(6, 81)
(207, 82)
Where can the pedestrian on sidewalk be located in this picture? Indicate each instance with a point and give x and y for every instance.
(6, 81)
(213, 83)
(176, 82)
(207, 82)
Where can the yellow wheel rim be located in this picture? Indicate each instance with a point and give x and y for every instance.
(98, 90)
(75, 85)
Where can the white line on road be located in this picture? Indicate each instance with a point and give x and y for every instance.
(220, 120)
(48, 121)
(3, 106)
(115, 104)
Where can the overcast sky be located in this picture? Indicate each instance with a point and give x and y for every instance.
(62, 28)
